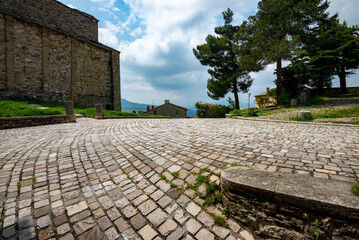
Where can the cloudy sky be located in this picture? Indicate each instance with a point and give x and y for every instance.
(156, 38)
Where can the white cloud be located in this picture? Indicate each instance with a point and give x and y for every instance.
(159, 63)
(347, 9)
(71, 6)
(107, 37)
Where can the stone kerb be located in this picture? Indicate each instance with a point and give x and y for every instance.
(287, 206)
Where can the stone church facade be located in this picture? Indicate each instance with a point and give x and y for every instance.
(51, 52)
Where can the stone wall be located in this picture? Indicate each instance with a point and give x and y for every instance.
(288, 206)
(332, 91)
(30, 121)
(55, 15)
(37, 62)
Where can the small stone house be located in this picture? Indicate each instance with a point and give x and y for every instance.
(168, 109)
(262, 100)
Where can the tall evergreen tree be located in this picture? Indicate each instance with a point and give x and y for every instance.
(280, 26)
(219, 53)
(337, 51)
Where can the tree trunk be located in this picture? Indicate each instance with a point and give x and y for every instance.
(279, 79)
(235, 92)
(343, 81)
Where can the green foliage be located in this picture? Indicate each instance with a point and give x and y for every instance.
(336, 50)
(14, 109)
(355, 188)
(173, 185)
(205, 110)
(339, 113)
(219, 53)
(175, 175)
(276, 32)
(220, 221)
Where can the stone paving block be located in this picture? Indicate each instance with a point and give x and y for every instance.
(25, 222)
(63, 229)
(113, 214)
(130, 234)
(83, 225)
(78, 207)
(111, 233)
(167, 227)
(138, 221)
(193, 226)
(205, 234)
(8, 232)
(80, 216)
(147, 232)
(46, 233)
(94, 234)
(164, 201)
(121, 224)
(180, 216)
(206, 219)
(44, 221)
(193, 209)
(176, 234)
(129, 211)
(157, 217)
(220, 231)
(121, 203)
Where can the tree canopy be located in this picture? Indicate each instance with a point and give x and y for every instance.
(336, 50)
(219, 52)
(278, 28)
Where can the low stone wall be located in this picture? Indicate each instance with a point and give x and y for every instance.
(286, 206)
(16, 122)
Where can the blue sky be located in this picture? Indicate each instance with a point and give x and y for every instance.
(156, 37)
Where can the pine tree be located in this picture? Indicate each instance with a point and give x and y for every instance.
(219, 52)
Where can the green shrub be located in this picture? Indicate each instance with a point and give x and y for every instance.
(206, 110)
(355, 188)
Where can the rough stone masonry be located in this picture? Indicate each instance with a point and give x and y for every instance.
(51, 52)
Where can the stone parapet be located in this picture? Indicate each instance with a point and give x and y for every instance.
(29, 121)
(286, 206)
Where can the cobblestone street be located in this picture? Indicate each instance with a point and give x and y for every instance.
(113, 179)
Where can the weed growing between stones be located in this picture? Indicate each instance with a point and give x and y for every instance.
(220, 221)
(355, 188)
(175, 175)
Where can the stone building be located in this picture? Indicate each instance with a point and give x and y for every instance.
(263, 100)
(168, 109)
(51, 52)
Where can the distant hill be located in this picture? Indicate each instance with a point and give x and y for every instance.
(128, 106)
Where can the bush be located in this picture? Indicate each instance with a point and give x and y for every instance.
(206, 110)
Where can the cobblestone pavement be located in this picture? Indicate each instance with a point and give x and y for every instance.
(98, 179)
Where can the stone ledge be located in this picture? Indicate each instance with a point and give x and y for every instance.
(279, 205)
(294, 122)
(29, 121)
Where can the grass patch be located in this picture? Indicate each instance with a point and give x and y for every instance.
(16, 109)
(339, 113)
(355, 188)
(316, 100)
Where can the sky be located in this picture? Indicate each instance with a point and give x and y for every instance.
(156, 38)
